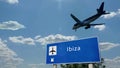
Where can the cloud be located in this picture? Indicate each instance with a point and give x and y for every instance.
(42, 40)
(8, 58)
(113, 63)
(11, 25)
(100, 27)
(112, 14)
(54, 38)
(11, 1)
(107, 46)
(22, 40)
(37, 37)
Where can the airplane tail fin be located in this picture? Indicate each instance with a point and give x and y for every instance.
(101, 9)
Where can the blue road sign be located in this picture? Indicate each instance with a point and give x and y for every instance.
(77, 51)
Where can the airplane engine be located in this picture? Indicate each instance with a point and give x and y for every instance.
(88, 26)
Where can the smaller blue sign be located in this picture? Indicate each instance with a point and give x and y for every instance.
(77, 51)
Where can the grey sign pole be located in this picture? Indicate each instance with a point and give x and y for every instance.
(90, 66)
(54, 65)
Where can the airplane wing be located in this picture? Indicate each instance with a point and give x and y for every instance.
(75, 18)
(97, 24)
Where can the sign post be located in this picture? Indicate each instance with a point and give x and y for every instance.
(77, 51)
(90, 66)
(54, 65)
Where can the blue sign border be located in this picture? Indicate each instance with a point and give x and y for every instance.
(63, 56)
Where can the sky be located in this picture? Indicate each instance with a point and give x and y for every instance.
(26, 27)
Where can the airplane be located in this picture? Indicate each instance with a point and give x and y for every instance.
(52, 51)
(87, 22)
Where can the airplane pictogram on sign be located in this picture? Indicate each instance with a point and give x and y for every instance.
(52, 50)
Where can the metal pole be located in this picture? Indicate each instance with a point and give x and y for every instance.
(90, 66)
(54, 65)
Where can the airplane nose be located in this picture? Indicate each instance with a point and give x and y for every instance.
(73, 28)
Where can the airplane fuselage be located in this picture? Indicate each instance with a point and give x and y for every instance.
(91, 19)
(87, 21)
